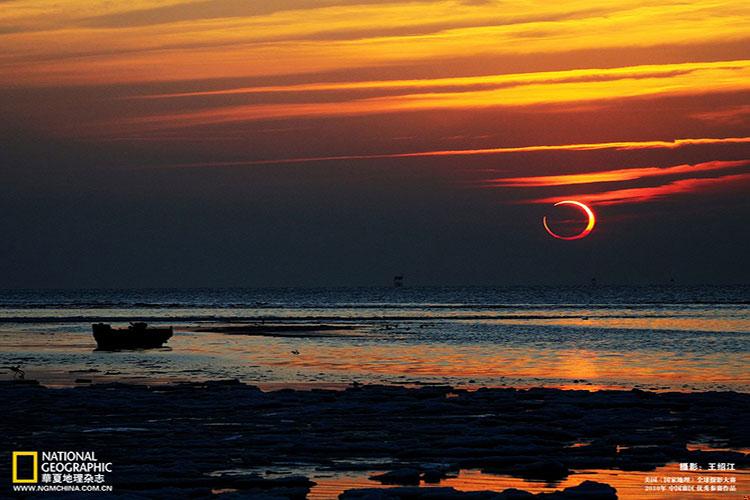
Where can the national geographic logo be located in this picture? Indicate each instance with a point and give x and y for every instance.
(59, 471)
(25, 467)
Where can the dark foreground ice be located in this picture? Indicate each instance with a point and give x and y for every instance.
(198, 439)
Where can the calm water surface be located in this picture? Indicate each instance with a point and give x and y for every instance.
(671, 337)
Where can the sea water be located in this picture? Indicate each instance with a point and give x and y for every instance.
(588, 337)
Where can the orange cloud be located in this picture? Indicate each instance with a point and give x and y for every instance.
(733, 115)
(625, 174)
(516, 90)
(80, 42)
(464, 83)
(632, 194)
(653, 193)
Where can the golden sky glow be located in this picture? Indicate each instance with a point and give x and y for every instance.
(84, 42)
(266, 83)
(505, 90)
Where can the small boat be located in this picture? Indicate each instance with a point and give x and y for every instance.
(136, 336)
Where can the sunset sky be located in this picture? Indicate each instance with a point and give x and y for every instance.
(340, 142)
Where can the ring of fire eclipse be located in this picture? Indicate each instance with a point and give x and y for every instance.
(589, 227)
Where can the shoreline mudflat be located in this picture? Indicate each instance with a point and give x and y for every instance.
(224, 437)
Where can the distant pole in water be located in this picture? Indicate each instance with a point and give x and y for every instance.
(398, 281)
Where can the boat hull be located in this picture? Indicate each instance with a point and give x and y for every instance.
(138, 337)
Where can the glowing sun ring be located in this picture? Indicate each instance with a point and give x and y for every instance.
(589, 227)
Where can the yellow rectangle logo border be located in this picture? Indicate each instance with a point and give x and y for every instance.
(35, 477)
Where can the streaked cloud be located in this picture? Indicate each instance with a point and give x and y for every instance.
(213, 9)
(200, 75)
(670, 181)
(625, 174)
(469, 83)
(620, 146)
(495, 91)
(144, 41)
(656, 193)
